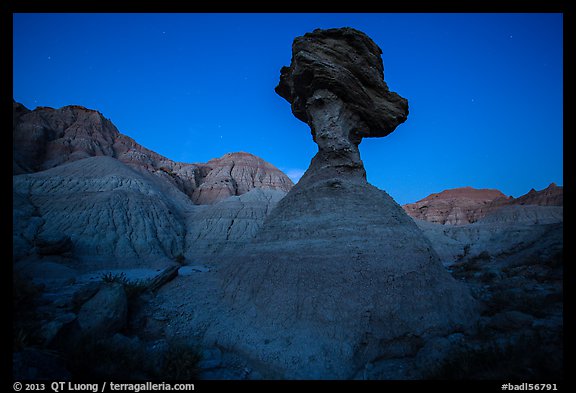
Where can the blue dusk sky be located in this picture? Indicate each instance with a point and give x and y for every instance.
(484, 90)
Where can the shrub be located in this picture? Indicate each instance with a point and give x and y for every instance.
(105, 359)
(25, 294)
(180, 361)
(168, 171)
(25, 299)
(180, 259)
(111, 278)
(20, 339)
(465, 252)
(526, 359)
(471, 265)
(129, 358)
(555, 261)
(483, 256)
(488, 277)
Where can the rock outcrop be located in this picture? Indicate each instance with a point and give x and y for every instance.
(338, 275)
(466, 205)
(105, 313)
(347, 63)
(45, 138)
(335, 84)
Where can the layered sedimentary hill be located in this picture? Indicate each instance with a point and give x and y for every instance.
(456, 206)
(83, 189)
(45, 138)
(467, 205)
(236, 174)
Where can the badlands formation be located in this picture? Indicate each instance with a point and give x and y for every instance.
(78, 177)
(338, 276)
(157, 269)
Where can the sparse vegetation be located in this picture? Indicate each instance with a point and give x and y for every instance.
(488, 277)
(180, 259)
(133, 288)
(105, 358)
(465, 252)
(180, 361)
(529, 285)
(130, 358)
(538, 305)
(20, 339)
(483, 256)
(473, 264)
(555, 261)
(168, 171)
(527, 359)
(110, 278)
(25, 299)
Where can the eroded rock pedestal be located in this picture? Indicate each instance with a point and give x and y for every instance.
(338, 276)
(335, 84)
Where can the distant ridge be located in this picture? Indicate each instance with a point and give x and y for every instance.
(46, 137)
(467, 205)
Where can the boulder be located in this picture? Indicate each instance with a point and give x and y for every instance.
(347, 63)
(105, 313)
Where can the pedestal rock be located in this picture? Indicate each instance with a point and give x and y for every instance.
(339, 275)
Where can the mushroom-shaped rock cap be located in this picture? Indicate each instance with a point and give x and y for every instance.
(346, 62)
